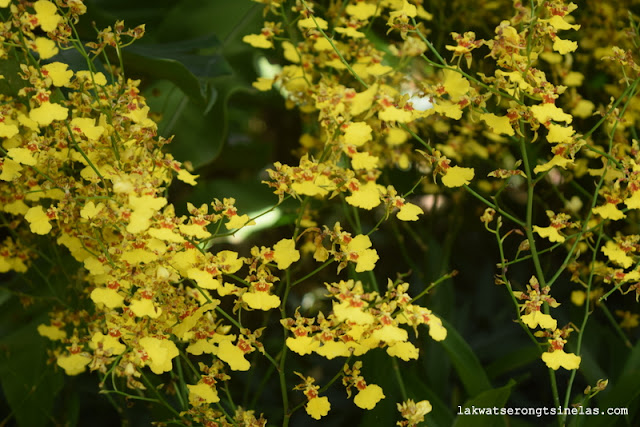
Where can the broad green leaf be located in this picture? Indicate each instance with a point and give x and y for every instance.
(465, 362)
(29, 384)
(11, 83)
(515, 359)
(493, 398)
(181, 64)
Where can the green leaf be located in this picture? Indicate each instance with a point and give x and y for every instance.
(513, 360)
(181, 64)
(199, 137)
(494, 398)
(29, 384)
(11, 83)
(465, 362)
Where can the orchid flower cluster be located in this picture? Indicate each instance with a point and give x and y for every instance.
(82, 166)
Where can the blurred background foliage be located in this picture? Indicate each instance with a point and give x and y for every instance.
(196, 75)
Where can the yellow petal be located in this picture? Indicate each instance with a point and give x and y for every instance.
(369, 397)
(559, 358)
(457, 177)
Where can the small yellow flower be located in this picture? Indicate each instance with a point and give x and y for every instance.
(285, 253)
(313, 22)
(369, 397)
(233, 356)
(457, 177)
(46, 113)
(499, 125)
(22, 155)
(318, 407)
(186, 177)
(365, 196)
(238, 221)
(559, 358)
(564, 46)
(259, 41)
(403, 350)
(550, 233)
(357, 133)
(578, 297)
(609, 211)
(361, 10)
(87, 126)
(364, 257)
(259, 300)
(535, 318)
(145, 307)
(109, 297)
(54, 333)
(302, 345)
(46, 48)
(73, 364)
(545, 112)
(160, 352)
(409, 212)
(364, 161)
(202, 392)
(263, 84)
(47, 15)
(455, 84)
(58, 73)
(38, 220)
(616, 255)
(107, 343)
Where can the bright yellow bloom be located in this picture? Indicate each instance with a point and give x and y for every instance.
(403, 350)
(285, 253)
(455, 84)
(145, 307)
(46, 113)
(22, 155)
(616, 255)
(47, 15)
(318, 407)
(550, 233)
(499, 125)
(109, 297)
(457, 177)
(559, 358)
(366, 196)
(302, 345)
(46, 48)
(161, 352)
(58, 73)
(369, 397)
(73, 364)
(260, 300)
(564, 46)
(361, 10)
(364, 161)
(609, 211)
(233, 356)
(535, 318)
(38, 220)
(409, 212)
(365, 258)
(259, 41)
(545, 112)
(357, 133)
(107, 343)
(54, 333)
(202, 392)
